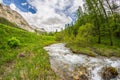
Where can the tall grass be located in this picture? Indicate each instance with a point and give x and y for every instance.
(35, 63)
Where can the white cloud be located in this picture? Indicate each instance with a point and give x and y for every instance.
(1, 1)
(23, 4)
(46, 16)
(76, 4)
(13, 7)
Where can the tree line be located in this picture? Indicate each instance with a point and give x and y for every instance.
(97, 20)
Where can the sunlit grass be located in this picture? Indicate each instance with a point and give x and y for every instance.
(35, 63)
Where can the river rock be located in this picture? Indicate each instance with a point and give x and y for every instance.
(109, 73)
(80, 73)
(21, 55)
(80, 67)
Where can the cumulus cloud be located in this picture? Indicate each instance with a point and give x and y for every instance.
(12, 6)
(51, 14)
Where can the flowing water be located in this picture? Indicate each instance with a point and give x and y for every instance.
(64, 62)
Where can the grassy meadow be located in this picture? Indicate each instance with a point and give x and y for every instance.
(26, 61)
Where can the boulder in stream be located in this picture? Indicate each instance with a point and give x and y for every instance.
(109, 73)
(80, 73)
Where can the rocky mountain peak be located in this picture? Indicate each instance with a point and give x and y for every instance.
(14, 17)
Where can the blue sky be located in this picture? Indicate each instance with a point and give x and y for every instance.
(23, 5)
(47, 14)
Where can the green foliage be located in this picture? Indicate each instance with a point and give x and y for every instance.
(85, 34)
(59, 36)
(13, 42)
(35, 65)
(117, 30)
(95, 27)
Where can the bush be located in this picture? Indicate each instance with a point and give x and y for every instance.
(14, 42)
(85, 34)
(59, 36)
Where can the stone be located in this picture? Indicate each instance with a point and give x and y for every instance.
(109, 73)
(14, 17)
(21, 55)
(80, 73)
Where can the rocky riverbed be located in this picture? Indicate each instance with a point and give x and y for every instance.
(71, 66)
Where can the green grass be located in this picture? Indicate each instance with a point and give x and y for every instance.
(108, 51)
(8, 23)
(95, 49)
(80, 50)
(90, 48)
(34, 66)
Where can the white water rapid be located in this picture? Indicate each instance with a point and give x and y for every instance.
(63, 62)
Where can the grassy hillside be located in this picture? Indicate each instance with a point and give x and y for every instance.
(6, 22)
(26, 61)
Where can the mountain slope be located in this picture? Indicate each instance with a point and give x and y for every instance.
(14, 17)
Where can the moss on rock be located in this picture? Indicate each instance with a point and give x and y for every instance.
(109, 73)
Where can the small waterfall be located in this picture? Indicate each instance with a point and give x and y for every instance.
(64, 63)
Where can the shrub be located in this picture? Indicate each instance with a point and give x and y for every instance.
(85, 34)
(59, 36)
(14, 42)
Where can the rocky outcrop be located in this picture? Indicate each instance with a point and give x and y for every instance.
(14, 17)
